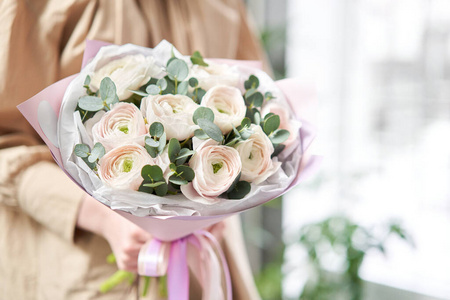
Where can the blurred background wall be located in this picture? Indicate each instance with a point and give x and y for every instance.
(380, 71)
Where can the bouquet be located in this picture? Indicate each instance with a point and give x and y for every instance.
(174, 144)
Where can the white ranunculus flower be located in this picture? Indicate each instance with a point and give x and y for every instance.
(255, 152)
(128, 73)
(214, 74)
(123, 124)
(216, 167)
(286, 122)
(174, 112)
(121, 167)
(228, 106)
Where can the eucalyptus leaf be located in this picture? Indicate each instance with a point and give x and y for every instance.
(211, 129)
(153, 89)
(185, 152)
(246, 133)
(152, 151)
(257, 117)
(279, 136)
(91, 165)
(177, 69)
(90, 103)
(255, 99)
(200, 93)
(173, 149)
(87, 81)
(271, 124)
(246, 122)
(251, 83)
(156, 129)
(98, 150)
(203, 113)
(162, 83)
(186, 172)
(162, 143)
(145, 189)
(152, 173)
(241, 189)
(107, 89)
(200, 134)
(197, 59)
(182, 88)
(162, 189)
(177, 180)
(151, 142)
(82, 150)
(268, 96)
(155, 184)
(140, 93)
(193, 82)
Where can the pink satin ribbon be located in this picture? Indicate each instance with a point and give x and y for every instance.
(158, 258)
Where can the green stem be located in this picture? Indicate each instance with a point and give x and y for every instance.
(146, 286)
(116, 279)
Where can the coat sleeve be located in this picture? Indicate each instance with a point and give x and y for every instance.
(32, 183)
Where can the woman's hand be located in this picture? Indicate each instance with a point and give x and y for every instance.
(124, 237)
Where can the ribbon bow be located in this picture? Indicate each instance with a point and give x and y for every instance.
(203, 253)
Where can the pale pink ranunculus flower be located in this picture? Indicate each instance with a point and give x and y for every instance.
(123, 124)
(286, 122)
(255, 153)
(174, 112)
(128, 73)
(228, 106)
(121, 167)
(214, 74)
(216, 167)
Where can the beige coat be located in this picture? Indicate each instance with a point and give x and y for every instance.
(42, 255)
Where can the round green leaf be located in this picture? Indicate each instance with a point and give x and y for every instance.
(162, 143)
(87, 80)
(173, 149)
(107, 89)
(257, 117)
(162, 83)
(200, 134)
(185, 172)
(177, 69)
(156, 129)
(82, 150)
(246, 122)
(145, 189)
(177, 180)
(268, 96)
(162, 189)
(203, 113)
(197, 59)
(140, 93)
(256, 99)
(246, 133)
(90, 103)
(153, 185)
(193, 82)
(211, 129)
(251, 83)
(271, 124)
(153, 89)
(241, 189)
(97, 152)
(182, 88)
(152, 173)
(151, 142)
(200, 93)
(279, 136)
